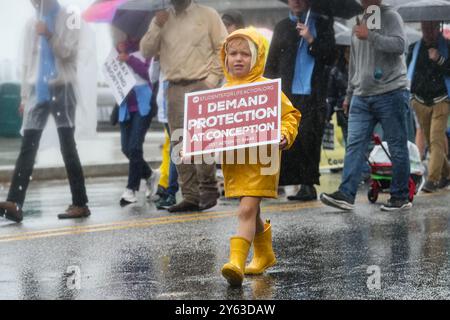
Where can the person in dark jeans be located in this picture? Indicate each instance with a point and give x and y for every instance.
(133, 132)
(135, 119)
(378, 93)
(25, 164)
(47, 89)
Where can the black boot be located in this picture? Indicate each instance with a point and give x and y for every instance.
(306, 193)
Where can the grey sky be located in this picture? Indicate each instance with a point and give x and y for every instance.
(13, 16)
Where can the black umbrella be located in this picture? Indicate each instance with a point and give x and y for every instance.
(134, 17)
(145, 5)
(242, 5)
(425, 10)
(345, 9)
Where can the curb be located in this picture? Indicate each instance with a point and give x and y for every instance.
(90, 171)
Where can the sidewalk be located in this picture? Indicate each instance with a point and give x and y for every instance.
(100, 157)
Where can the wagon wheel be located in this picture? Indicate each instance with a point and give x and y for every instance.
(372, 195)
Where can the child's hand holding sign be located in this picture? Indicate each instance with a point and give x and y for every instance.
(283, 143)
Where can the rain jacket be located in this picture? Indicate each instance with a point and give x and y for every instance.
(74, 48)
(142, 92)
(65, 47)
(247, 179)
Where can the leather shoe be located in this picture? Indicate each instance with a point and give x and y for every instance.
(444, 183)
(430, 186)
(209, 200)
(11, 211)
(306, 193)
(75, 212)
(184, 206)
(208, 204)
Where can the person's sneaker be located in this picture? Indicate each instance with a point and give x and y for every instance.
(152, 184)
(430, 187)
(128, 197)
(161, 192)
(75, 212)
(396, 205)
(337, 200)
(11, 211)
(444, 183)
(166, 203)
(306, 193)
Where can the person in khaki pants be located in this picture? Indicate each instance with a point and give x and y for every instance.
(198, 181)
(188, 38)
(433, 121)
(429, 71)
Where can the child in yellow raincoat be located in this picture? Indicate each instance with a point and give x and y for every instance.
(243, 59)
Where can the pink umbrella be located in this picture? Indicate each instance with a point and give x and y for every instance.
(103, 11)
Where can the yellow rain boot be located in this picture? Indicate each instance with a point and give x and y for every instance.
(233, 271)
(263, 257)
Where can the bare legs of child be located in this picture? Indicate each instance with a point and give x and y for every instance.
(249, 216)
(251, 229)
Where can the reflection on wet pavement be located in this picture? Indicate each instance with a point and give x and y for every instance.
(322, 254)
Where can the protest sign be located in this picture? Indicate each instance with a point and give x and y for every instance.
(332, 158)
(118, 76)
(232, 118)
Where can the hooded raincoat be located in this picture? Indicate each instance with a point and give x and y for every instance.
(243, 180)
(73, 83)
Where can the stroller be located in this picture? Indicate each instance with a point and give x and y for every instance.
(381, 170)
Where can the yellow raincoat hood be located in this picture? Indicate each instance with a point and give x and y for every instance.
(256, 74)
(248, 179)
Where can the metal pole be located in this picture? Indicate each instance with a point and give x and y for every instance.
(41, 11)
(306, 23)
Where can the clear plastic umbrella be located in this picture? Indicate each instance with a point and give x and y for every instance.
(59, 88)
(425, 10)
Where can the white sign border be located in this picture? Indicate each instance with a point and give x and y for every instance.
(251, 145)
(113, 56)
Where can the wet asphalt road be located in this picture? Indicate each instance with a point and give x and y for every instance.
(140, 253)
